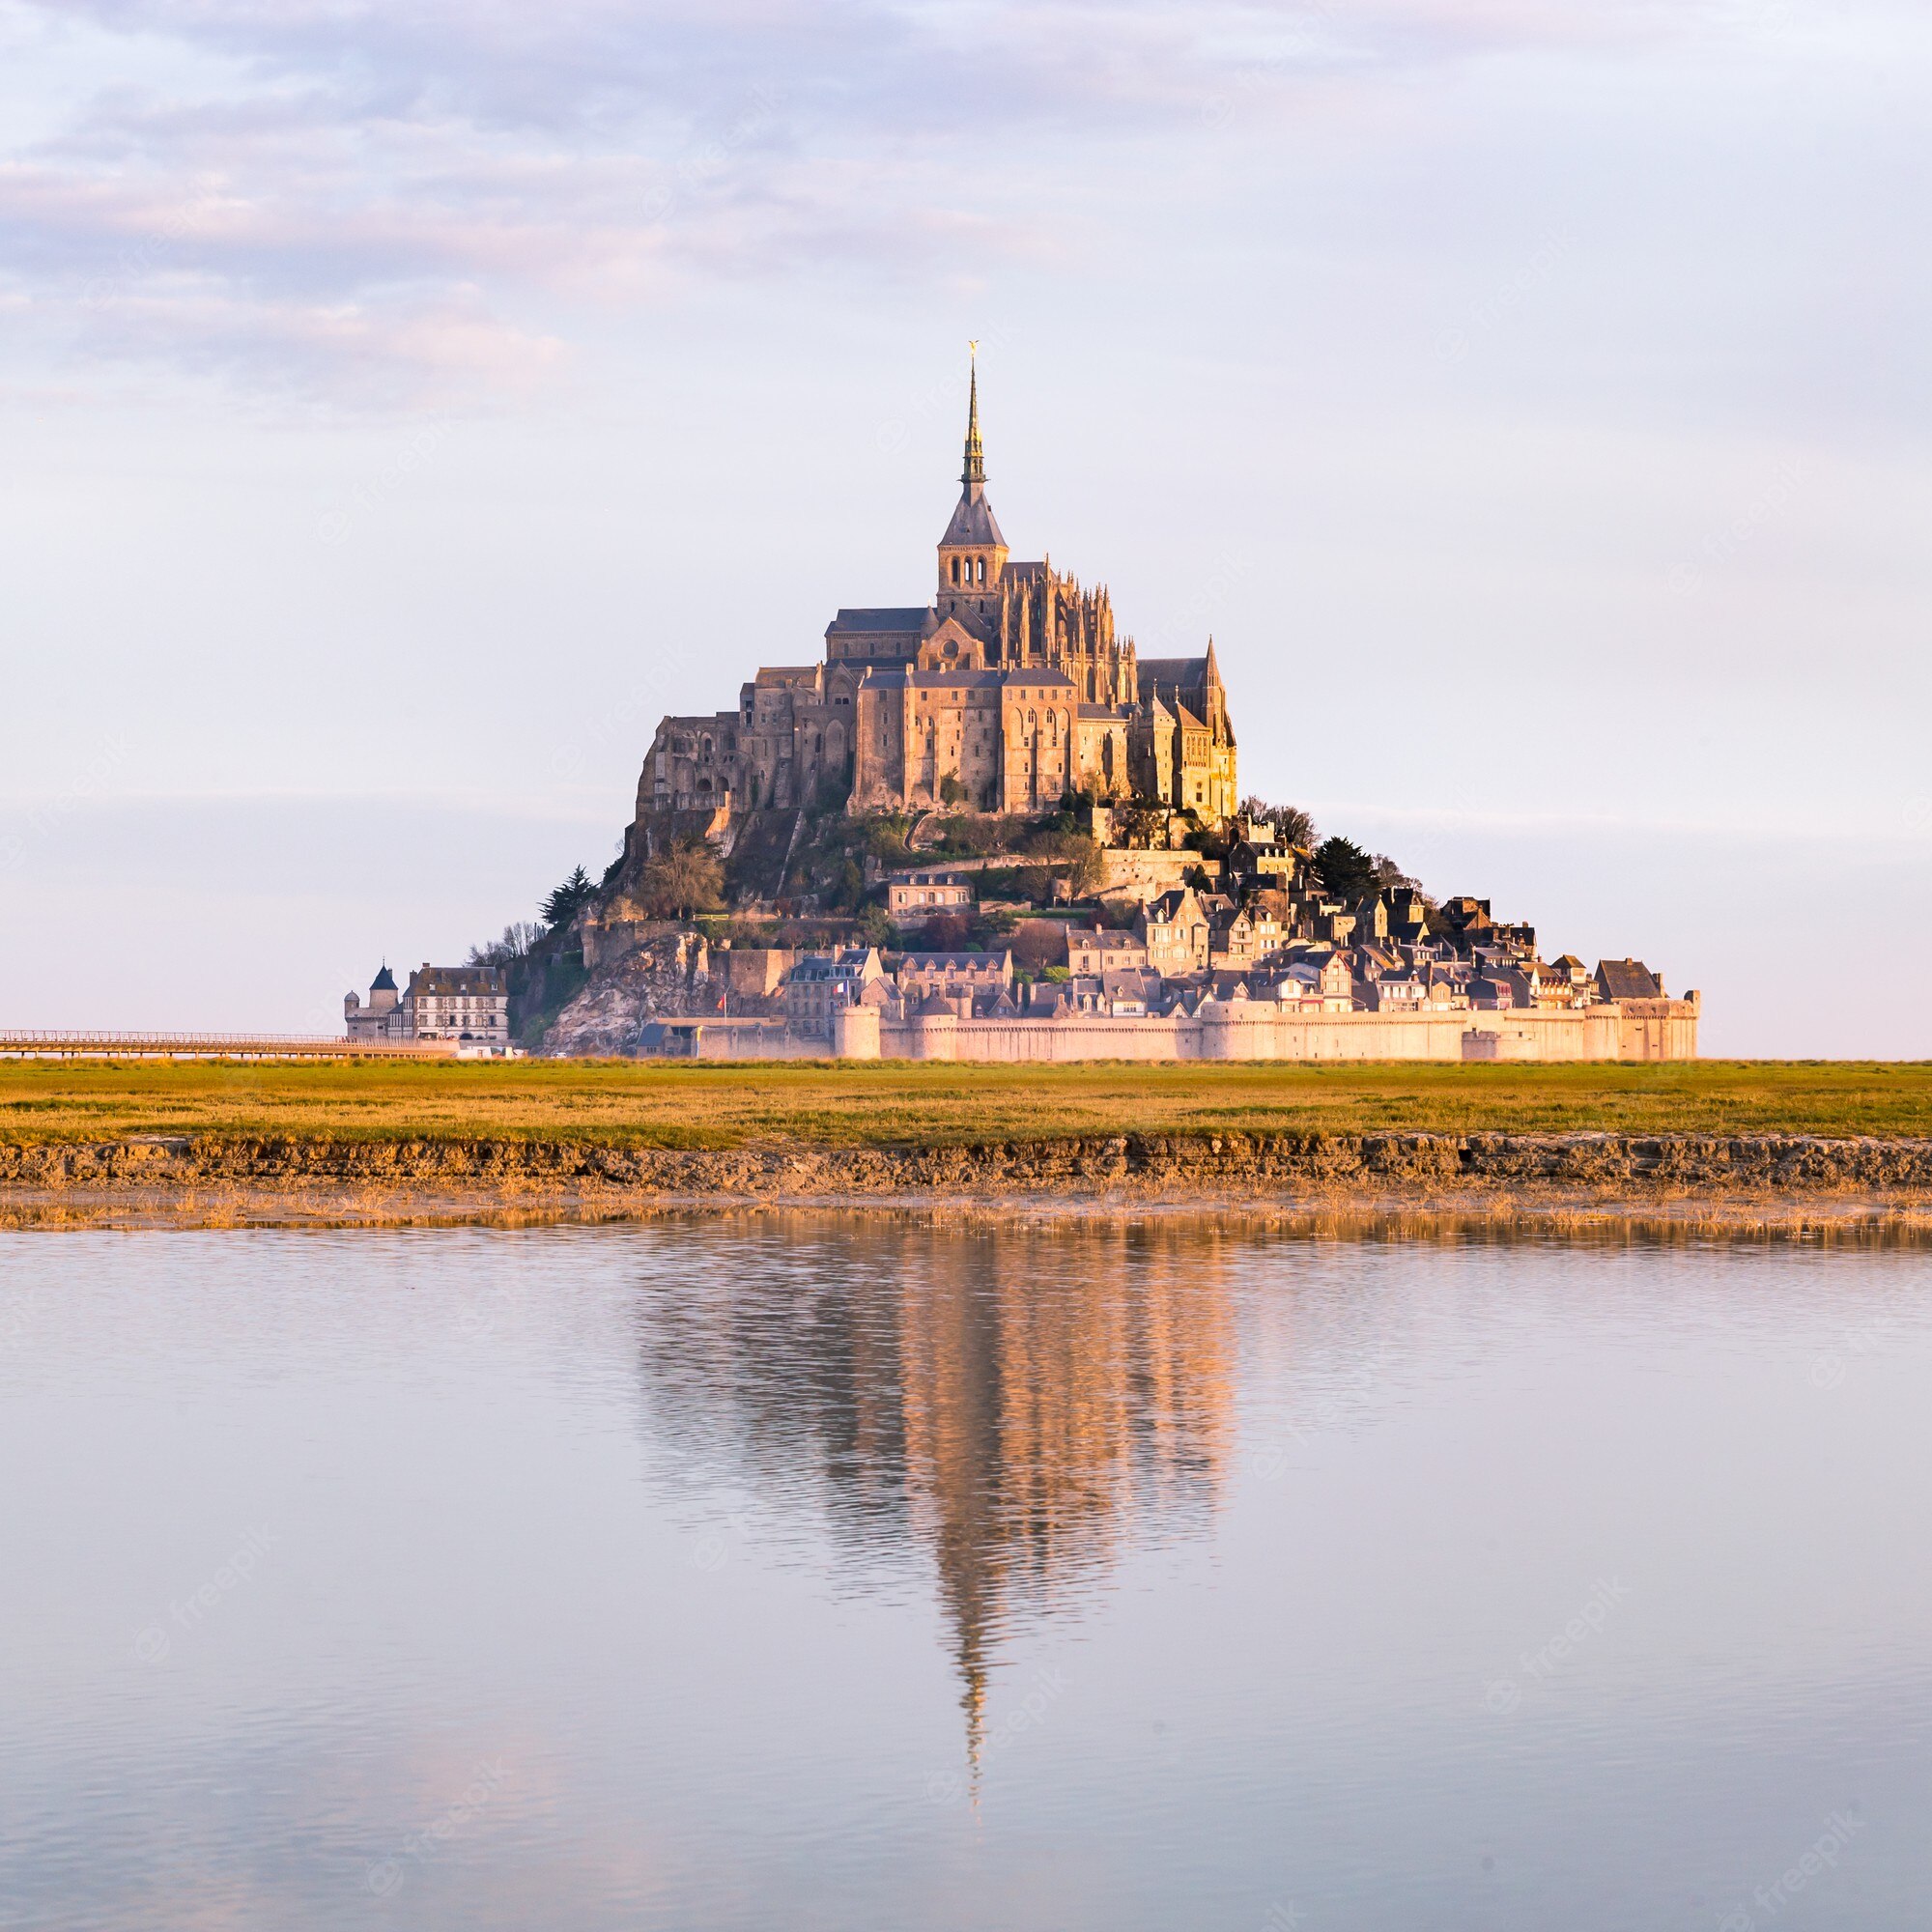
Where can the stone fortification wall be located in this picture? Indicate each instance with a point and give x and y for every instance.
(1144, 875)
(1244, 1031)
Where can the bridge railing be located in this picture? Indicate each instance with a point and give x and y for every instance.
(55, 1039)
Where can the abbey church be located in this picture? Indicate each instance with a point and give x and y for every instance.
(1006, 692)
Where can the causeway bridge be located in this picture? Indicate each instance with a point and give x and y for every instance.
(49, 1043)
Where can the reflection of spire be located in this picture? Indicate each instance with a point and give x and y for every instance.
(1042, 1406)
(972, 1701)
(1017, 1402)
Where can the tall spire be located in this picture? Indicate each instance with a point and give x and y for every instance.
(975, 456)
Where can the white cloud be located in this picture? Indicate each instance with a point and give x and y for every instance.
(340, 169)
(388, 159)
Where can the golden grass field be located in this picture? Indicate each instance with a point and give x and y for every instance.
(684, 1105)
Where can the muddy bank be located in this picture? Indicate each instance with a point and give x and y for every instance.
(1730, 1179)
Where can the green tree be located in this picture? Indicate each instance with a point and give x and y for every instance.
(570, 899)
(1346, 870)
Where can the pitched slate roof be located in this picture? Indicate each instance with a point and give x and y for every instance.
(1626, 980)
(1173, 673)
(461, 980)
(973, 522)
(874, 622)
(956, 962)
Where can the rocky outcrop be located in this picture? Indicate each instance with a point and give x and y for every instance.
(1278, 1167)
(668, 975)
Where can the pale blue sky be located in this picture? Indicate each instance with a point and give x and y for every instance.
(405, 403)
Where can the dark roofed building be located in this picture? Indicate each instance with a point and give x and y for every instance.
(466, 1004)
(1626, 980)
(955, 974)
(888, 636)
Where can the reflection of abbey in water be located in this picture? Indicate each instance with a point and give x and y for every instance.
(1020, 1403)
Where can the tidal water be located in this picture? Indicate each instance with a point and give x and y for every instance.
(862, 1571)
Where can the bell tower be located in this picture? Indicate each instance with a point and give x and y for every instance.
(972, 553)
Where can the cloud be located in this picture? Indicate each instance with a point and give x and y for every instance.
(343, 171)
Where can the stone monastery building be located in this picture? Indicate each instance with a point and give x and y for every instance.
(1008, 690)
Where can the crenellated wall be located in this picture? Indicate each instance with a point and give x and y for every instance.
(1240, 1031)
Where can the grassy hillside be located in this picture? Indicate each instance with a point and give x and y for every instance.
(712, 1107)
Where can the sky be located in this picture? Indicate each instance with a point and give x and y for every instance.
(406, 402)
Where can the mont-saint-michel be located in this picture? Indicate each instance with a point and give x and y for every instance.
(986, 828)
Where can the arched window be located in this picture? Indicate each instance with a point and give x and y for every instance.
(981, 570)
(955, 570)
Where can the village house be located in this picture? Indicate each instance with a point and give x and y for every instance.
(955, 977)
(1091, 950)
(1626, 980)
(818, 986)
(920, 897)
(1173, 930)
(1240, 938)
(1323, 983)
(468, 1005)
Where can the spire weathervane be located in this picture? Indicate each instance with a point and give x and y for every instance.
(976, 455)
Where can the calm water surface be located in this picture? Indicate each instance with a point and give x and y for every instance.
(862, 1573)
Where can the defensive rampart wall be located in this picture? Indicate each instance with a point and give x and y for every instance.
(1245, 1030)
